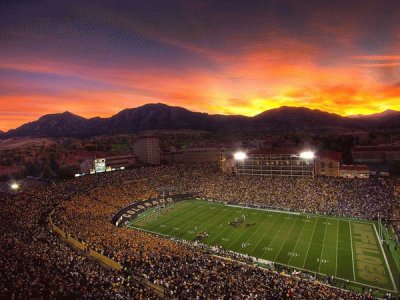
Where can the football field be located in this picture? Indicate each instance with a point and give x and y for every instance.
(344, 248)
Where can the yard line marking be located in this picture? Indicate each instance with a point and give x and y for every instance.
(213, 224)
(171, 215)
(322, 250)
(298, 238)
(265, 234)
(309, 245)
(276, 232)
(289, 233)
(227, 228)
(337, 246)
(276, 236)
(344, 279)
(387, 263)
(243, 234)
(352, 253)
(191, 218)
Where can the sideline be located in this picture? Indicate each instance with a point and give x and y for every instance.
(265, 209)
(177, 240)
(384, 255)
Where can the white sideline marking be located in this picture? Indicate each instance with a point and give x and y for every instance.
(306, 270)
(266, 209)
(352, 254)
(387, 263)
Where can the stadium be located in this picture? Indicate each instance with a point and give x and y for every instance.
(180, 232)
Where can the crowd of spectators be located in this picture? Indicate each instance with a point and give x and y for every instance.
(357, 198)
(36, 263)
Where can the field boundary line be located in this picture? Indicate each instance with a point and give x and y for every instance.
(309, 244)
(352, 252)
(387, 263)
(292, 267)
(343, 279)
(266, 209)
(150, 231)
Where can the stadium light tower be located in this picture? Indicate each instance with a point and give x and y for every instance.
(307, 155)
(14, 186)
(240, 155)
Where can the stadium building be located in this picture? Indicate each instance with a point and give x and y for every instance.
(276, 162)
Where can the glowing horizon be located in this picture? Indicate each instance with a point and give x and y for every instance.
(209, 57)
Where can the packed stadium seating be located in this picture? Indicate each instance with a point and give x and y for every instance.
(35, 262)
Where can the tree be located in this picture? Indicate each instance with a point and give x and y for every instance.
(66, 172)
(394, 169)
(32, 169)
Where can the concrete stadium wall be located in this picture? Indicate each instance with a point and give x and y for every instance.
(158, 290)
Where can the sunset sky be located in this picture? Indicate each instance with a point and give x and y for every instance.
(95, 58)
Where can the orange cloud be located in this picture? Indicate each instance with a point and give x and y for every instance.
(248, 84)
(378, 57)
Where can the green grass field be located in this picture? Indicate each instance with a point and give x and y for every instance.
(345, 248)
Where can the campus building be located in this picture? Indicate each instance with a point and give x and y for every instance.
(327, 163)
(354, 171)
(209, 155)
(376, 154)
(147, 149)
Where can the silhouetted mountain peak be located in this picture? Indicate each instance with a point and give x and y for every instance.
(159, 116)
(65, 114)
(385, 114)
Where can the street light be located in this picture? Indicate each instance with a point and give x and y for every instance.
(14, 186)
(307, 155)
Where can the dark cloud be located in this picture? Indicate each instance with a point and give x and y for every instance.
(201, 54)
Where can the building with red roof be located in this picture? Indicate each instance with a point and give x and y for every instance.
(327, 163)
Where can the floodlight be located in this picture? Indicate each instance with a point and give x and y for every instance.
(307, 155)
(240, 155)
(14, 186)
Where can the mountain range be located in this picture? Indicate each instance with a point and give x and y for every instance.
(163, 117)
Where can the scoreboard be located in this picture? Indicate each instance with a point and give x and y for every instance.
(100, 165)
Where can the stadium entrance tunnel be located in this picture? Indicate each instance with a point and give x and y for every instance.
(123, 216)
